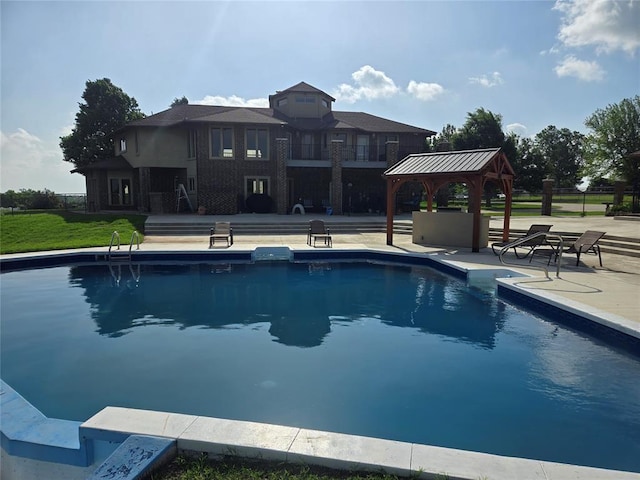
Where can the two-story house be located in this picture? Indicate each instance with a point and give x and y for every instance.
(297, 151)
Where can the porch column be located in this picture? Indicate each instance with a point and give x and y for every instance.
(282, 193)
(336, 176)
(144, 177)
(392, 152)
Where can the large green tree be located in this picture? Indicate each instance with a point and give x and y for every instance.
(614, 136)
(529, 165)
(482, 129)
(105, 109)
(562, 151)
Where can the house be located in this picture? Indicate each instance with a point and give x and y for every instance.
(226, 160)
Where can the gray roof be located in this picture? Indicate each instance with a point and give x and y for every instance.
(463, 161)
(113, 163)
(365, 122)
(303, 87)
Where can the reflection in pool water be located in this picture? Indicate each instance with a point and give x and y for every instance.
(386, 351)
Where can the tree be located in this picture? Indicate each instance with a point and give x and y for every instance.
(482, 129)
(562, 153)
(180, 101)
(529, 164)
(106, 108)
(615, 136)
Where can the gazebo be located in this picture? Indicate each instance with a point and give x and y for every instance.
(434, 170)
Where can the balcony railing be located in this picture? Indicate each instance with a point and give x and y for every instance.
(350, 153)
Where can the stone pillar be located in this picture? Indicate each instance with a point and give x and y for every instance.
(282, 193)
(547, 196)
(618, 192)
(144, 176)
(392, 153)
(336, 176)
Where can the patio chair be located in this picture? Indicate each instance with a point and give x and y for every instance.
(527, 246)
(221, 231)
(585, 243)
(318, 230)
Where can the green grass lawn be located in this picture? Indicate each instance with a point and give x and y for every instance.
(201, 468)
(56, 230)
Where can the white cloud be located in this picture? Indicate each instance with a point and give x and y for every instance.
(581, 69)
(492, 80)
(517, 128)
(369, 84)
(29, 162)
(424, 91)
(609, 25)
(233, 101)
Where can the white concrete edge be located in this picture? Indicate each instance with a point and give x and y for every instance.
(613, 321)
(253, 440)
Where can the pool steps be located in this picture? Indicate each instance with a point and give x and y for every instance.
(136, 457)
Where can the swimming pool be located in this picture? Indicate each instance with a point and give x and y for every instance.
(397, 352)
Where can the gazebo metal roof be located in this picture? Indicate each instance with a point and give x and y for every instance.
(433, 170)
(445, 163)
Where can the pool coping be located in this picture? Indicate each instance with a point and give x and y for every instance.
(291, 444)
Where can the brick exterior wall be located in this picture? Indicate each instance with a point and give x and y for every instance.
(221, 182)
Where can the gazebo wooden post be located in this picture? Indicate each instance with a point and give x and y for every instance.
(428, 188)
(391, 194)
(477, 184)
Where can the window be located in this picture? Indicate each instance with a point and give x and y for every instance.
(282, 102)
(120, 191)
(307, 146)
(362, 148)
(257, 185)
(325, 104)
(257, 143)
(191, 144)
(123, 145)
(222, 142)
(191, 184)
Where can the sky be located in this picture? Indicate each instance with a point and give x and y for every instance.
(423, 63)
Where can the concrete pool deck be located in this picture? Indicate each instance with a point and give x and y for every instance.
(608, 293)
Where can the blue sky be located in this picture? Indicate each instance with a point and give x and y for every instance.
(424, 63)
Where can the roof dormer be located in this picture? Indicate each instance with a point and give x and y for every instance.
(301, 101)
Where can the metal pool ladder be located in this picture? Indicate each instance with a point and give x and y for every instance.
(115, 236)
(523, 240)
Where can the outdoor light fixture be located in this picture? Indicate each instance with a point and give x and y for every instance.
(582, 187)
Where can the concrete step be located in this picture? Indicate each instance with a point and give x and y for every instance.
(187, 229)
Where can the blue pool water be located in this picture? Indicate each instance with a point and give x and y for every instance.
(396, 352)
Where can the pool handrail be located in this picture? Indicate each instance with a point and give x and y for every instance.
(137, 237)
(115, 235)
(526, 239)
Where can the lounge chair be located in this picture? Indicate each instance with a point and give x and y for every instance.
(527, 246)
(221, 231)
(585, 243)
(318, 230)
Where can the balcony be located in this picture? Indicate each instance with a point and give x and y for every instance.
(353, 156)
